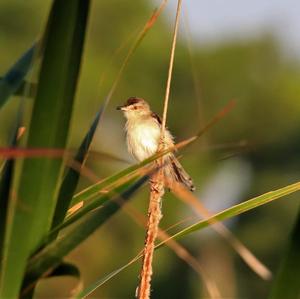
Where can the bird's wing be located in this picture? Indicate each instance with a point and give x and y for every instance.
(168, 137)
(157, 118)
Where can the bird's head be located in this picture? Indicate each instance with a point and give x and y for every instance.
(135, 107)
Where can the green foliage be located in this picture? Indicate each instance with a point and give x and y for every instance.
(71, 178)
(30, 213)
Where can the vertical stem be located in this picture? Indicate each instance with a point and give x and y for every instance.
(167, 95)
(154, 216)
(156, 187)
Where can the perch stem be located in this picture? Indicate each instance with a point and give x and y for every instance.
(157, 186)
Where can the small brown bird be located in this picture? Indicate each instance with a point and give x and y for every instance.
(143, 130)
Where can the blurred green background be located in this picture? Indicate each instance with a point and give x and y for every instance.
(252, 150)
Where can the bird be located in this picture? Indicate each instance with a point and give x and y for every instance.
(143, 133)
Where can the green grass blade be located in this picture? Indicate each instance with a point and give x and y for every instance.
(51, 255)
(287, 283)
(94, 189)
(71, 178)
(226, 214)
(90, 205)
(13, 79)
(238, 209)
(91, 288)
(32, 209)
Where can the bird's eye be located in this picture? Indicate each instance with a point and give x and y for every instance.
(135, 107)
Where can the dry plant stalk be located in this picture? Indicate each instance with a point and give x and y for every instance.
(154, 216)
(157, 186)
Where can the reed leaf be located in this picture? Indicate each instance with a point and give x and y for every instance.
(31, 210)
(71, 178)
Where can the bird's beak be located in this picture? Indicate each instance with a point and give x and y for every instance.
(121, 108)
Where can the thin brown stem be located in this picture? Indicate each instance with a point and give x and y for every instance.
(156, 187)
(154, 216)
(167, 95)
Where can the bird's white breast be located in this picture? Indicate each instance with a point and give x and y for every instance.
(142, 138)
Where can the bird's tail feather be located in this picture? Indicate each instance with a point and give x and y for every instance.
(177, 173)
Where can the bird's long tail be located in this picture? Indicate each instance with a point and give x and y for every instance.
(174, 171)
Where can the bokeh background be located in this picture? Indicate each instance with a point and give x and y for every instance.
(234, 50)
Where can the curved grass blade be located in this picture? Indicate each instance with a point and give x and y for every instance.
(237, 210)
(32, 208)
(51, 256)
(91, 288)
(226, 214)
(287, 283)
(71, 178)
(88, 207)
(13, 79)
(90, 203)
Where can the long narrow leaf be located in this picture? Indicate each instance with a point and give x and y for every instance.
(71, 178)
(91, 288)
(89, 205)
(51, 255)
(238, 209)
(14, 77)
(32, 208)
